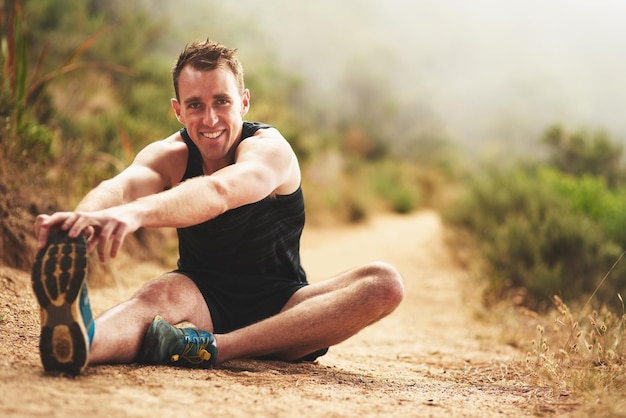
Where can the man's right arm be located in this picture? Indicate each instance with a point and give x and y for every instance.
(132, 183)
(157, 167)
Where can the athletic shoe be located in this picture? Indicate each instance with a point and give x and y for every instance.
(67, 326)
(183, 346)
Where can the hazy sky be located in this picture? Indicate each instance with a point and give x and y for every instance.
(494, 72)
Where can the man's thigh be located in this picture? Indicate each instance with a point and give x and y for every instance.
(322, 287)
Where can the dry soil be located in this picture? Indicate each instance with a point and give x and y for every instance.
(430, 358)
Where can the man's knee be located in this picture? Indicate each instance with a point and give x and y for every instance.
(388, 286)
(154, 292)
(174, 299)
(165, 290)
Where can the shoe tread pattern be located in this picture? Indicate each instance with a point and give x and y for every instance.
(57, 278)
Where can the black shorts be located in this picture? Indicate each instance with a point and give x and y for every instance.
(238, 301)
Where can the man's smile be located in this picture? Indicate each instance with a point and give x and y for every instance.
(211, 135)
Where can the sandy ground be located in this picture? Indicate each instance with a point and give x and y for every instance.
(430, 358)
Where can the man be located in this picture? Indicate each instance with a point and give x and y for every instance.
(232, 190)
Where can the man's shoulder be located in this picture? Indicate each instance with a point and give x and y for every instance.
(250, 128)
(172, 144)
(164, 154)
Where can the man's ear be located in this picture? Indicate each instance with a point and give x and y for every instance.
(176, 107)
(245, 102)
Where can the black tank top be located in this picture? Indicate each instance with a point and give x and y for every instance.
(258, 239)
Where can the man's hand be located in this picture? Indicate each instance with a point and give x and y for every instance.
(98, 227)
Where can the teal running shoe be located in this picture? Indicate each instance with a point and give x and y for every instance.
(67, 325)
(183, 346)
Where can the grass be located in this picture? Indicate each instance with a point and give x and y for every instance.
(578, 356)
(581, 360)
(573, 358)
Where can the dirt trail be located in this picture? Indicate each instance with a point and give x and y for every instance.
(429, 358)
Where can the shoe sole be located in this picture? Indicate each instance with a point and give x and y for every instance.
(58, 276)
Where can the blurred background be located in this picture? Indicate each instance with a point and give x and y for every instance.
(488, 75)
(505, 116)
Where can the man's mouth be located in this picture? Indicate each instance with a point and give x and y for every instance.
(211, 135)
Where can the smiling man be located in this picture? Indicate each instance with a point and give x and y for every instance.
(232, 189)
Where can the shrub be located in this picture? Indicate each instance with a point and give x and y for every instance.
(592, 197)
(582, 152)
(544, 231)
(396, 183)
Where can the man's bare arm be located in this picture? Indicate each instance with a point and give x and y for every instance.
(151, 172)
(155, 168)
(264, 164)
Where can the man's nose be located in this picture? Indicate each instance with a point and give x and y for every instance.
(210, 117)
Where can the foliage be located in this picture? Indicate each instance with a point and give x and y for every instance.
(25, 87)
(350, 191)
(396, 182)
(274, 93)
(89, 125)
(581, 153)
(545, 231)
(115, 93)
(20, 134)
(591, 196)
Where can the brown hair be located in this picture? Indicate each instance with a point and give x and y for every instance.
(206, 56)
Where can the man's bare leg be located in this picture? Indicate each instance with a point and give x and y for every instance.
(319, 315)
(316, 316)
(120, 330)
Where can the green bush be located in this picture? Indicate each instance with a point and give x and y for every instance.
(585, 153)
(592, 197)
(544, 231)
(396, 183)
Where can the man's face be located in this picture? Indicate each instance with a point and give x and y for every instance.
(211, 107)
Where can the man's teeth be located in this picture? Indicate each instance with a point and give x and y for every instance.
(212, 135)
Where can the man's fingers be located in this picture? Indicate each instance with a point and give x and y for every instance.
(42, 237)
(102, 244)
(41, 234)
(115, 246)
(77, 223)
(116, 234)
(38, 222)
(98, 228)
(45, 225)
(89, 233)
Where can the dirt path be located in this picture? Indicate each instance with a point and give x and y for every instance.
(429, 358)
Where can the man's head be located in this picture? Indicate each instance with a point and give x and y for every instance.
(206, 56)
(211, 100)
